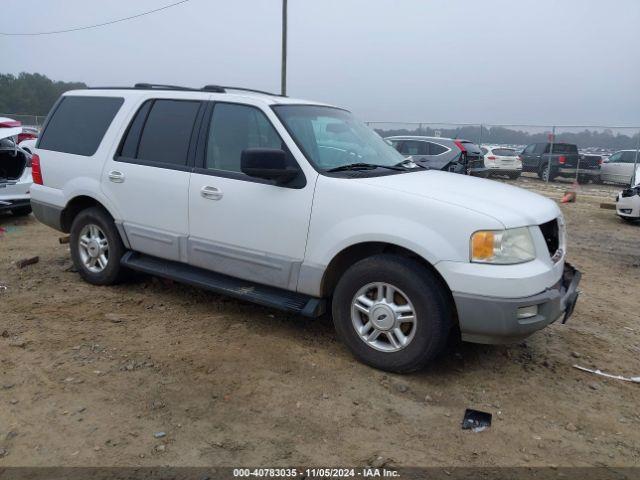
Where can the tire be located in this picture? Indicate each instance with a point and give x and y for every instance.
(111, 272)
(583, 179)
(425, 337)
(546, 171)
(21, 211)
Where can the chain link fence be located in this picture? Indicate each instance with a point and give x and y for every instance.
(599, 146)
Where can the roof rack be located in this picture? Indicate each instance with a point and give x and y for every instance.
(206, 88)
(223, 89)
(157, 86)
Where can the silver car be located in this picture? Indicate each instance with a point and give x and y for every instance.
(619, 167)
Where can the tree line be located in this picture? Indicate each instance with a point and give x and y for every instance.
(31, 93)
(506, 136)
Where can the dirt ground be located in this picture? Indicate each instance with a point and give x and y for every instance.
(96, 375)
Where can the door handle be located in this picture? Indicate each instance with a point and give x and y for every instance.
(211, 193)
(116, 177)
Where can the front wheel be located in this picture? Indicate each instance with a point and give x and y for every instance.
(392, 313)
(96, 247)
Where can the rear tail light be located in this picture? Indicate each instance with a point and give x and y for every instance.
(36, 173)
(600, 161)
(491, 157)
(26, 136)
(562, 159)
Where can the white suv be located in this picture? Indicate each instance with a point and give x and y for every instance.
(297, 205)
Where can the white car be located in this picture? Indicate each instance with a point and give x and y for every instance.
(297, 205)
(628, 201)
(502, 161)
(619, 167)
(15, 170)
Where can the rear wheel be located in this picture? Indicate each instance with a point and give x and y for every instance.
(392, 313)
(96, 247)
(545, 173)
(21, 211)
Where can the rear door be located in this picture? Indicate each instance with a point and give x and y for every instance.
(148, 178)
(610, 169)
(626, 166)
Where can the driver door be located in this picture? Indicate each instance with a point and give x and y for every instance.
(243, 226)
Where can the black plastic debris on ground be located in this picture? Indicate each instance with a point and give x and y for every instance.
(476, 420)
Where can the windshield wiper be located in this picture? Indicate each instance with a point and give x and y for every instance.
(410, 163)
(364, 166)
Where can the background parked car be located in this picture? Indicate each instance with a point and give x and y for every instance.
(628, 201)
(449, 154)
(619, 167)
(502, 161)
(15, 170)
(563, 161)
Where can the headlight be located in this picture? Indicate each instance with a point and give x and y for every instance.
(502, 246)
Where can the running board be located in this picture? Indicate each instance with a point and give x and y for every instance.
(226, 285)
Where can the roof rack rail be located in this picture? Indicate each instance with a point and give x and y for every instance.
(223, 89)
(214, 89)
(156, 86)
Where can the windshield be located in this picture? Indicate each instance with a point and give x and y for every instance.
(330, 137)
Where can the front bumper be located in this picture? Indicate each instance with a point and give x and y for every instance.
(628, 206)
(495, 320)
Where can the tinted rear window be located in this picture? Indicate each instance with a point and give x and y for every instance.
(78, 124)
(167, 132)
(562, 148)
(505, 152)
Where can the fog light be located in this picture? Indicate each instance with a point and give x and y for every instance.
(527, 312)
(626, 211)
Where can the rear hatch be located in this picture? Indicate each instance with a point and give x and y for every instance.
(473, 154)
(505, 158)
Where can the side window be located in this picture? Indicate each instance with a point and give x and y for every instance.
(629, 157)
(414, 147)
(436, 149)
(530, 148)
(79, 123)
(484, 150)
(615, 158)
(234, 128)
(161, 132)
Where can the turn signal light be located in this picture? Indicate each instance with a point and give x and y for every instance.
(482, 245)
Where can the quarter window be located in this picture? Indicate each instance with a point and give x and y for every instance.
(436, 149)
(79, 123)
(233, 129)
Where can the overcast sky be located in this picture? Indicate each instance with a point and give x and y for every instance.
(501, 61)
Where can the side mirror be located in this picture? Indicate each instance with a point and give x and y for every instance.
(267, 163)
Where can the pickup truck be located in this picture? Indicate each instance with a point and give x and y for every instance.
(563, 161)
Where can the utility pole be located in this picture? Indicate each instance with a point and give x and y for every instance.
(283, 73)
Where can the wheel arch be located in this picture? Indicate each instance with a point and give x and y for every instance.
(359, 251)
(75, 206)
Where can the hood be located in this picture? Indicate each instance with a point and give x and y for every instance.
(512, 206)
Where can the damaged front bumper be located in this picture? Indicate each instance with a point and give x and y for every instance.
(506, 320)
